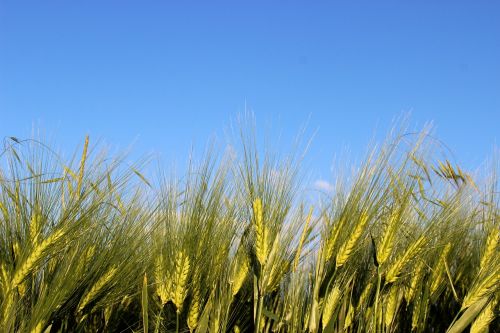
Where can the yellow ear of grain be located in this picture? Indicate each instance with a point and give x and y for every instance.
(23, 270)
(396, 268)
(302, 240)
(346, 249)
(331, 303)
(34, 228)
(385, 247)
(490, 247)
(97, 287)
(240, 274)
(194, 308)
(439, 271)
(483, 320)
(415, 280)
(391, 306)
(38, 328)
(331, 241)
(483, 288)
(162, 280)
(349, 318)
(261, 233)
(364, 296)
(182, 266)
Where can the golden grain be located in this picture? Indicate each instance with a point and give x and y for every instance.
(182, 266)
(261, 247)
(34, 257)
(347, 248)
(330, 305)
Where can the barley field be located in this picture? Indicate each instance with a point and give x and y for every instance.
(405, 242)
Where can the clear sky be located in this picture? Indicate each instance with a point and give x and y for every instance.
(171, 74)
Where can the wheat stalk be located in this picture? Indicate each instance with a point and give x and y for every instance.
(144, 303)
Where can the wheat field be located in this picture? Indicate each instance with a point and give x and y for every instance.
(405, 242)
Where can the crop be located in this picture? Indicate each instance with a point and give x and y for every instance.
(404, 243)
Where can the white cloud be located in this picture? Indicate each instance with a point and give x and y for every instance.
(323, 185)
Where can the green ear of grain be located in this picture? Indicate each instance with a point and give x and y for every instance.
(82, 165)
(205, 316)
(468, 316)
(145, 319)
(302, 239)
(261, 248)
(483, 320)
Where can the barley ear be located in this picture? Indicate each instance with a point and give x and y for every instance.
(347, 248)
(36, 254)
(38, 328)
(439, 271)
(400, 263)
(386, 244)
(163, 289)
(261, 231)
(391, 306)
(331, 241)
(194, 308)
(34, 228)
(330, 305)
(239, 275)
(417, 276)
(483, 288)
(82, 165)
(97, 288)
(483, 320)
(468, 316)
(490, 247)
(181, 280)
(302, 240)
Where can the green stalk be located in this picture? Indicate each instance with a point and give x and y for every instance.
(177, 321)
(260, 302)
(375, 309)
(260, 305)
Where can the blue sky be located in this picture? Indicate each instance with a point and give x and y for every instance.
(169, 74)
